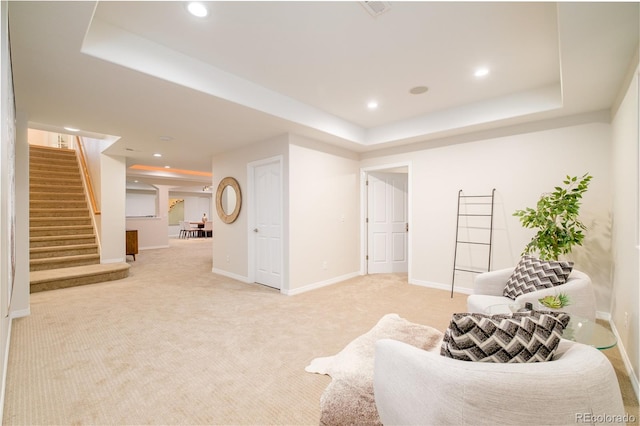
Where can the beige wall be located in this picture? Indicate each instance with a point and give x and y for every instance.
(231, 240)
(113, 196)
(625, 296)
(520, 167)
(152, 232)
(7, 162)
(320, 212)
(92, 150)
(324, 214)
(20, 300)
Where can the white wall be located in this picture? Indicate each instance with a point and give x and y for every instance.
(324, 214)
(152, 232)
(320, 210)
(231, 240)
(625, 174)
(195, 205)
(7, 198)
(113, 195)
(141, 203)
(145, 204)
(520, 167)
(93, 149)
(20, 300)
(148, 213)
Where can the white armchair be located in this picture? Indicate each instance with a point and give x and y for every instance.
(416, 387)
(488, 288)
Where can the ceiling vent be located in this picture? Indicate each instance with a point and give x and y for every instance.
(376, 8)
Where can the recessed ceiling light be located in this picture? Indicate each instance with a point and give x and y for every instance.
(157, 155)
(72, 129)
(372, 104)
(167, 167)
(135, 181)
(481, 72)
(197, 9)
(418, 90)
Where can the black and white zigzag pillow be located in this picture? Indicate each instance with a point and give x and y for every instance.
(533, 274)
(516, 338)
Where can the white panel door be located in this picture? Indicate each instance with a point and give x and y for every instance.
(387, 227)
(268, 226)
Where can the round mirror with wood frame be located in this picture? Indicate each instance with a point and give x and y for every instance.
(228, 190)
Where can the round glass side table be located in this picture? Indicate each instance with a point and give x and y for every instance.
(579, 329)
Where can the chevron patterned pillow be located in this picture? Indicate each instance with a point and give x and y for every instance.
(516, 338)
(533, 274)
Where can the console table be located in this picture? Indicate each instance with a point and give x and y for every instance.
(132, 242)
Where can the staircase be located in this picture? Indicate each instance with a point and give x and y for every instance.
(62, 240)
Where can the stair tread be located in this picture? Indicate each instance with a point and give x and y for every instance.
(49, 193)
(41, 218)
(64, 258)
(52, 150)
(58, 205)
(53, 227)
(44, 158)
(59, 214)
(54, 164)
(55, 154)
(76, 271)
(58, 202)
(58, 209)
(63, 248)
(42, 185)
(62, 237)
(56, 218)
(52, 180)
(53, 167)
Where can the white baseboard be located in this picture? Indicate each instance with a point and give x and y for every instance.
(231, 275)
(440, 286)
(603, 316)
(627, 362)
(153, 247)
(320, 284)
(20, 313)
(4, 369)
(119, 260)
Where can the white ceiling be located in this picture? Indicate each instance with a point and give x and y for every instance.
(254, 70)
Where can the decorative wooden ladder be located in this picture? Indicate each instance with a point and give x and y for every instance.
(476, 210)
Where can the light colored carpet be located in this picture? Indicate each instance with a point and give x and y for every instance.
(349, 398)
(175, 344)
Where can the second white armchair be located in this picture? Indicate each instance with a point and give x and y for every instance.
(489, 286)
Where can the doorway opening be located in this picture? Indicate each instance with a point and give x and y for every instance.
(386, 219)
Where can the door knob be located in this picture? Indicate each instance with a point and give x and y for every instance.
(255, 229)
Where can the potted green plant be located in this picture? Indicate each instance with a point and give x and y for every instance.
(556, 219)
(557, 301)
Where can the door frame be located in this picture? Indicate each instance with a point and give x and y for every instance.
(364, 204)
(251, 219)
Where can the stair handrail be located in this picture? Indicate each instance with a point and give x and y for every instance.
(87, 176)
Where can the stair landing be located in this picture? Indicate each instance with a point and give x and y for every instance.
(52, 279)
